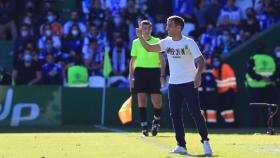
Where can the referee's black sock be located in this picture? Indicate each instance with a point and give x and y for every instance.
(157, 113)
(143, 117)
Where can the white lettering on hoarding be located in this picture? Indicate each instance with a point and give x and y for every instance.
(17, 116)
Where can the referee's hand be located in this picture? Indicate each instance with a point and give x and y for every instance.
(131, 85)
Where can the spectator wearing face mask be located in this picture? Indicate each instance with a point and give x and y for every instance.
(49, 35)
(226, 85)
(51, 19)
(73, 42)
(120, 63)
(27, 71)
(93, 58)
(28, 19)
(74, 21)
(52, 72)
(118, 29)
(23, 40)
(50, 49)
(225, 42)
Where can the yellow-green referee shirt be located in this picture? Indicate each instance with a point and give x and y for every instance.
(143, 58)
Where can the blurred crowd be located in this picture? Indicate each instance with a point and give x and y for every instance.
(45, 47)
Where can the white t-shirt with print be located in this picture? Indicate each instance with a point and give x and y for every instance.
(181, 55)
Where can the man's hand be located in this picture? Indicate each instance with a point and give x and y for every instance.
(197, 80)
(162, 81)
(139, 30)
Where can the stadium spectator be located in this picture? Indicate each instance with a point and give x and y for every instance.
(184, 8)
(99, 35)
(225, 42)
(213, 12)
(266, 13)
(89, 5)
(209, 40)
(75, 20)
(119, 59)
(49, 35)
(118, 29)
(115, 6)
(96, 15)
(7, 22)
(51, 18)
(29, 21)
(260, 81)
(73, 42)
(200, 13)
(208, 96)
(5, 78)
(230, 14)
(250, 25)
(120, 65)
(227, 87)
(277, 60)
(24, 39)
(52, 72)
(93, 58)
(49, 49)
(27, 71)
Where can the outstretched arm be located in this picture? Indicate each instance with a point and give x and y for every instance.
(146, 45)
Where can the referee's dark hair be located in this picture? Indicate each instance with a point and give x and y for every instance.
(178, 21)
(146, 22)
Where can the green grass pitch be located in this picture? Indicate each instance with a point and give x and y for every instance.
(100, 143)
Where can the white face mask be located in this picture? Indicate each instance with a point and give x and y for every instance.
(24, 33)
(48, 32)
(277, 54)
(75, 32)
(51, 18)
(27, 21)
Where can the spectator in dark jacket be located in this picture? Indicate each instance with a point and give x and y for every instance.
(7, 23)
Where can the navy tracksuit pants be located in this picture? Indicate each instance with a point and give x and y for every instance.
(185, 92)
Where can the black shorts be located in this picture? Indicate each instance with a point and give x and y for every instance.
(147, 80)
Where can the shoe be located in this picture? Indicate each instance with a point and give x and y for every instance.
(179, 150)
(155, 127)
(207, 148)
(145, 133)
(145, 130)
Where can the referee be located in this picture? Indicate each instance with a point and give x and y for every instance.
(146, 73)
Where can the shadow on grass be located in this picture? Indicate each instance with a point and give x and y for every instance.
(92, 129)
(188, 155)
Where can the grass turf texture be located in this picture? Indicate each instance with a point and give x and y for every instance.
(96, 143)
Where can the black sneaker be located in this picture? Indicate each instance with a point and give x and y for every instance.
(145, 132)
(155, 127)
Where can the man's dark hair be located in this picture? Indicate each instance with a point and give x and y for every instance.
(146, 22)
(178, 21)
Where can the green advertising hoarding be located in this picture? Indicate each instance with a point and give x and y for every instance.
(30, 106)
